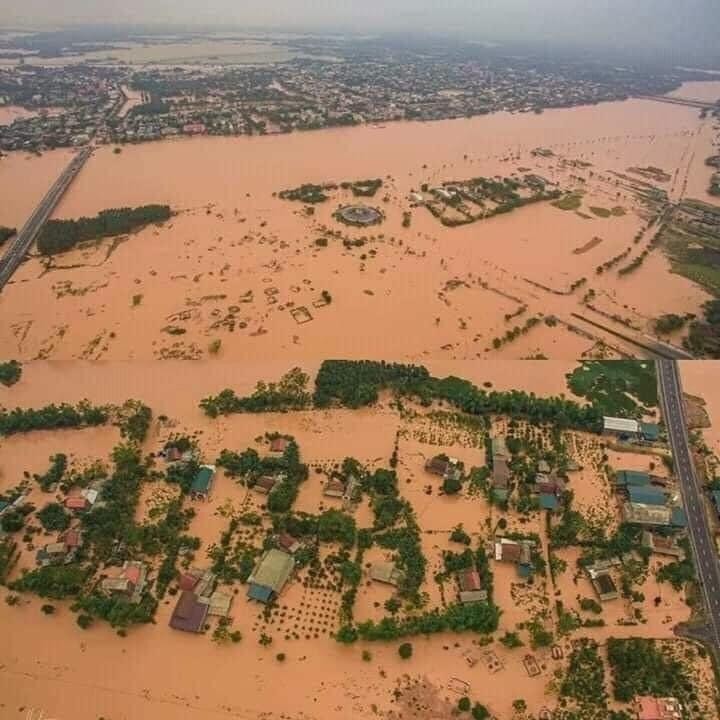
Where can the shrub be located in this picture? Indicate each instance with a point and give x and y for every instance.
(480, 712)
(84, 621)
(405, 651)
(464, 704)
(10, 372)
(451, 486)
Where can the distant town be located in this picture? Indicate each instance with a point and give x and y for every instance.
(334, 83)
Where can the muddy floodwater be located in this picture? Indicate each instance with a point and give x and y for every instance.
(238, 265)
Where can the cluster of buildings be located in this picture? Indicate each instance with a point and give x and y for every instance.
(629, 430)
(358, 85)
(61, 552)
(648, 500)
(445, 467)
(648, 707)
(500, 470)
(71, 105)
(518, 553)
(128, 583)
(198, 600)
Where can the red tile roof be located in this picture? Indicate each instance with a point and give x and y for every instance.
(278, 445)
(187, 581)
(470, 580)
(76, 503)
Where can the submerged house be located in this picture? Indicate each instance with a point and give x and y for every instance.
(500, 469)
(518, 553)
(265, 484)
(202, 482)
(190, 613)
(334, 488)
(662, 545)
(444, 467)
(648, 707)
(471, 586)
(279, 445)
(288, 543)
(130, 583)
(602, 581)
(385, 572)
(270, 575)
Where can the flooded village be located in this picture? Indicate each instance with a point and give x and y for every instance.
(348, 539)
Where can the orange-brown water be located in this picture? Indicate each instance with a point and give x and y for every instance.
(409, 293)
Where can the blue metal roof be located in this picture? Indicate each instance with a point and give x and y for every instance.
(261, 593)
(647, 495)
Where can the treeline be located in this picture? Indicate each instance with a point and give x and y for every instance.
(358, 383)
(59, 236)
(354, 383)
(473, 617)
(290, 393)
(52, 417)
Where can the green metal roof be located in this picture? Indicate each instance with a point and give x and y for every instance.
(677, 517)
(201, 483)
(632, 477)
(650, 431)
(524, 570)
(647, 495)
(548, 501)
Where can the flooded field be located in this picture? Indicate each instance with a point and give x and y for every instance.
(235, 261)
(205, 51)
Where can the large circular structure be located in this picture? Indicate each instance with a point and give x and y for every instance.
(359, 215)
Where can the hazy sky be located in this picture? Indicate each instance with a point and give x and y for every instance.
(659, 24)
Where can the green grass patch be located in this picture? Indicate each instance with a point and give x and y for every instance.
(618, 387)
(571, 201)
(601, 212)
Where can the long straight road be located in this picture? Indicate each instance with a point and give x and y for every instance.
(24, 240)
(703, 547)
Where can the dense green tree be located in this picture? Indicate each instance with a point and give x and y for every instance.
(54, 517)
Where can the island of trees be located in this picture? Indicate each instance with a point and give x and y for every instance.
(59, 236)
